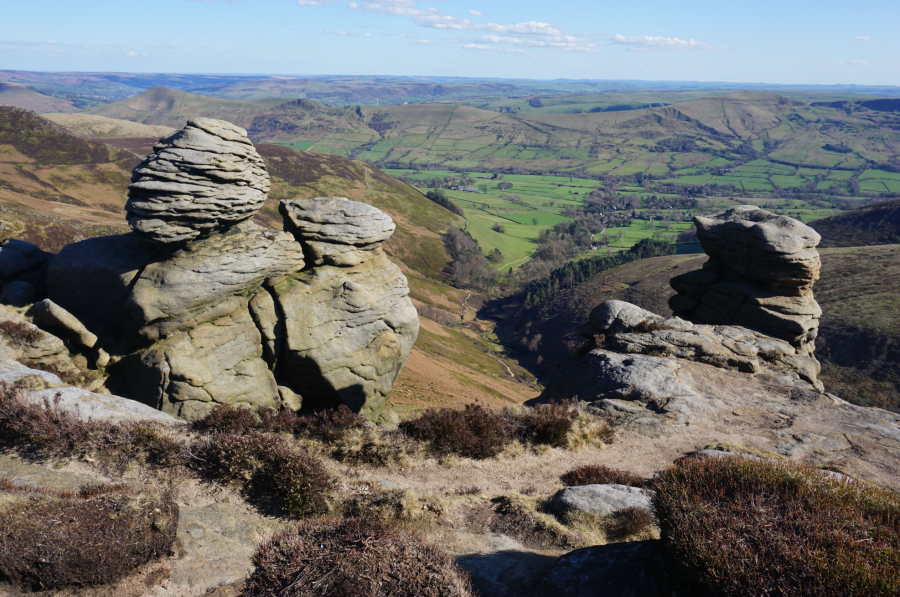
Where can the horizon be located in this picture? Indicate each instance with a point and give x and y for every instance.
(699, 41)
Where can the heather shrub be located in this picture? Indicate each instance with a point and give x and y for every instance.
(474, 432)
(352, 557)
(737, 527)
(19, 333)
(646, 327)
(266, 466)
(545, 424)
(228, 419)
(50, 539)
(597, 474)
(629, 522)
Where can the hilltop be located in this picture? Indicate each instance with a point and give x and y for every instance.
(100, 127)
(20, 96)
(875, 224)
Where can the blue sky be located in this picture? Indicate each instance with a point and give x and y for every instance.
(787, 41)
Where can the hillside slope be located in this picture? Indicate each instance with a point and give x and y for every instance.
(20, 96)
(859, 332)
(876, 224)
(93, 127)
(622, 142)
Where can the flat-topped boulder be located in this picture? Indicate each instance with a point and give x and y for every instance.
(203, 178)
(760, 274)
(337, 231)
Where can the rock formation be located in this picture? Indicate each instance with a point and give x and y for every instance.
(760, 274)
(203, 178)
(198, 307)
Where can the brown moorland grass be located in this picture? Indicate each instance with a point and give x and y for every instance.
(737, 527)
(101, 533)
(352, 557)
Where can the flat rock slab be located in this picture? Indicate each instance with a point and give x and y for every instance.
(602, 500)
(218, 541)
(100, 407)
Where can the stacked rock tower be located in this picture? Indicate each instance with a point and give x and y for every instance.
(203, 178)
(760, 274)
(200, 306)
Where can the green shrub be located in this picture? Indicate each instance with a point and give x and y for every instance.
(740, 527)
(352, 557)
(51, 539)
(596, 474)
(474, 432)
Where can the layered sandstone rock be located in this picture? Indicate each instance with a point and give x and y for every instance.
(760, 274)
(242, 317)
(349, 323)
(203, 178)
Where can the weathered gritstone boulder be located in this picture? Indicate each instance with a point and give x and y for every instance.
(203, 178)
(349, 323)
(337, 231)
(22, 341)
(760, 274)
(23, 268)
(241, 318)
(697, 386)
(602, 500)
(626, 328)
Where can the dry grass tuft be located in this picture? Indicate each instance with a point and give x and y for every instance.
(51, 539)
(740, 527)
(352, 557)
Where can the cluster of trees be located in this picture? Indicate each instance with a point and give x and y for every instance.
(470, 268)
(440, 197)
(576, 272)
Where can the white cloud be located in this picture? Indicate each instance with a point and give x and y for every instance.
(476, 13)
(646, 42)
(862, 38)
(131, 53)
(341, 33)
(496, 39)
(428, 42)
(851, 63)
(310, 2)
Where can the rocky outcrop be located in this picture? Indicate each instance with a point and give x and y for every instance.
(625, 328)
(199, 307)
(43, 388)
(349, 325)
(699, 385)
(203, 178)
(24, 342)
(23, 268)
(760, 274)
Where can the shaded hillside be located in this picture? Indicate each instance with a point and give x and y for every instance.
(859, 333)
(619, 142)
(19, 96)
(876, 224)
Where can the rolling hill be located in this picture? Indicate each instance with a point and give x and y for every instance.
(660, 141)
(20, 96)
(99, 127)
(876, 224)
